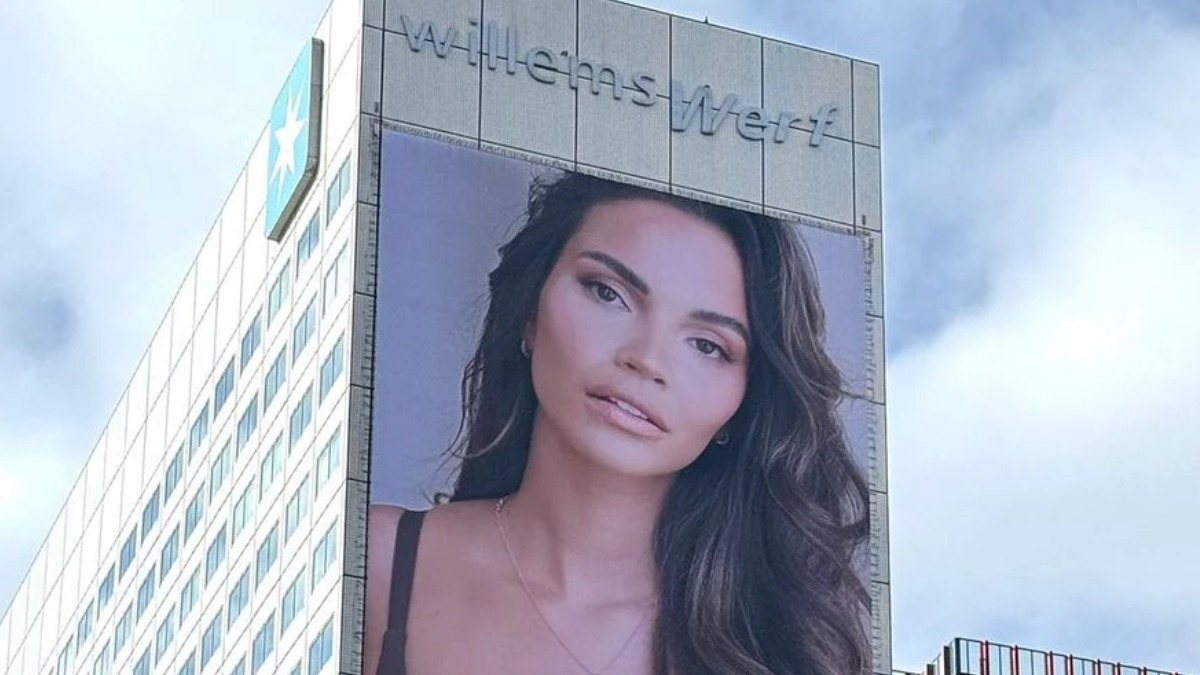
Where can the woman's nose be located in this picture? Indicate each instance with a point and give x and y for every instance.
(644, 355)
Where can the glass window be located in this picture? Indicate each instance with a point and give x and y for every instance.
(150, 514)
(170, 553)
(297, 509)
(301, 417)
(331, 368)
(165, 635)
(219, 471)
(211, 640)
(309, 239)
(199, 430)
(215, 555)
(103, 663)
(240, 668)
(142, 667)
(344, 175)
(84, 629)
(189, 665)
(194, 513)
(276, 376)
(66, 658)
(243, 511)
(293, 601)
(264, 644)
(190, 596)
(145, 593)
(335, 280)
(106, 588)
(128, 552)
(123, 628)
(339, 186)
(321, 649)
(174, 474)
(330, 458)
(224, 388)
(333, 196)
(325, 554)
(278, 295)
(268, 553)
(297, 669)
(247, 424)
(251, 339)
(306, 325)
(272, 465)
(239, 597)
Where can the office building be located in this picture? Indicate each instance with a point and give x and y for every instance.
(219, 523)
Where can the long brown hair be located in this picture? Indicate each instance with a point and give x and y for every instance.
(757, 540)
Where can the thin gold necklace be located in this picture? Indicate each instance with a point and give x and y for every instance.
(545, 621)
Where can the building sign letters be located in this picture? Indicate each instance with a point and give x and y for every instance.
(701, 108)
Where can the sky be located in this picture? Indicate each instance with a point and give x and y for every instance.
(1042, 249)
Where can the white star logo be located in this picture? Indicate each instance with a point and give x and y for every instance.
(285, 136)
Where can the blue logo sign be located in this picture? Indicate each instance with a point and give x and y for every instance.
(294, 139)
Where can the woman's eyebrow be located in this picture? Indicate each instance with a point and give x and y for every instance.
(722, 320)
(620, 269)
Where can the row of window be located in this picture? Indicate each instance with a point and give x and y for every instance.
(277, 373)
(324, 556)
(298, 506)
(307, 243)
(331, 369)
(320, 651)
(302, 331)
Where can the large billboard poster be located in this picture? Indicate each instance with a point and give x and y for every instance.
(610, 429)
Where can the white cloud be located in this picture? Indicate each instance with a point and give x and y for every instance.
(1045, 445)
(123, 127)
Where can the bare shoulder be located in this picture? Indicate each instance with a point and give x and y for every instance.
(381, 543)
(459, 521)
(383, 516)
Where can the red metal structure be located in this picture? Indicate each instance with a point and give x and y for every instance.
(966, 656)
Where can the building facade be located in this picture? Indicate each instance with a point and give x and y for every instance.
(219, 524)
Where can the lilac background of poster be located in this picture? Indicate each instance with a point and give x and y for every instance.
(444, 210)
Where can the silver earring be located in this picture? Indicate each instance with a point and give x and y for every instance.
(723, 437)
(525, 348)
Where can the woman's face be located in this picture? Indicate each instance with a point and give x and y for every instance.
(640, 341)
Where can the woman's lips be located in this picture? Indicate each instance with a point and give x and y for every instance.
(625, 414)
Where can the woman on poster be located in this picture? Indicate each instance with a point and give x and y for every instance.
(654, 478)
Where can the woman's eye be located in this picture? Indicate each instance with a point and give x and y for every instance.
(710, 348)
(604, 293)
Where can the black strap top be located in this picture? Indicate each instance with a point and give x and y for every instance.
(404, 561)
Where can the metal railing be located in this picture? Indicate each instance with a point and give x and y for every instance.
(965, 656)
